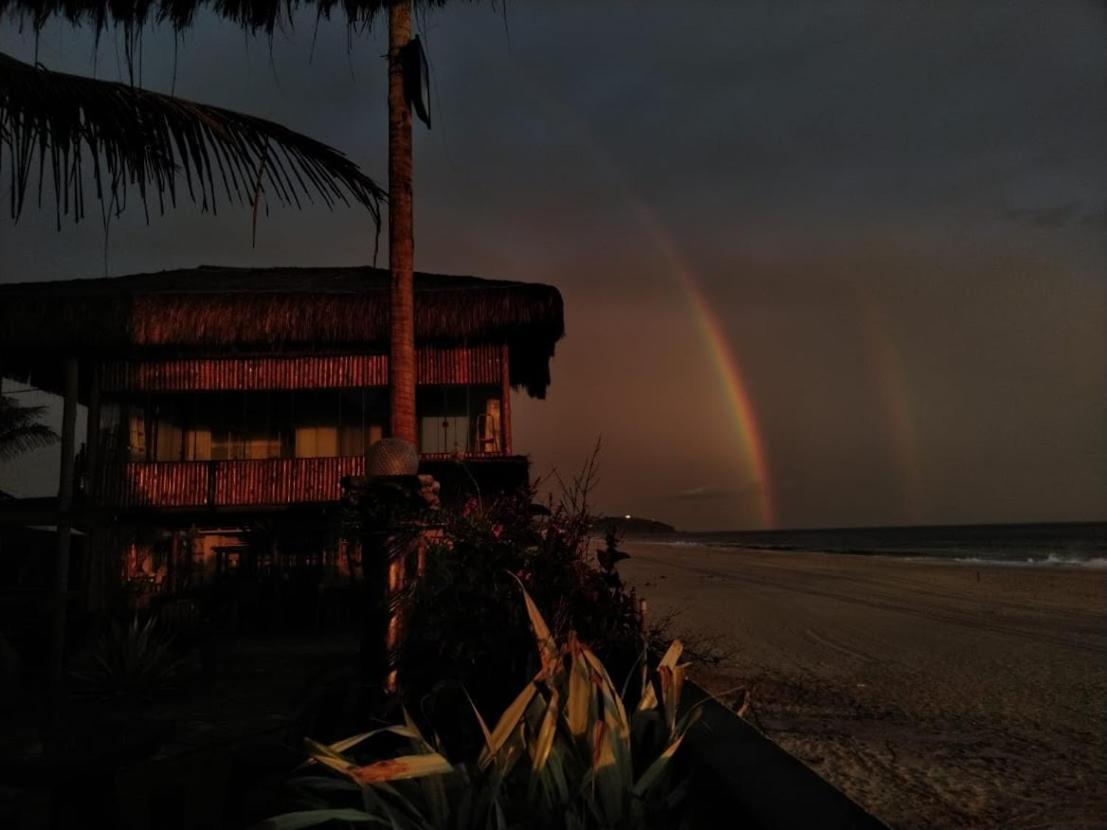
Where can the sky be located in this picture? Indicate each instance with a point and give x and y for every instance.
(824, 263)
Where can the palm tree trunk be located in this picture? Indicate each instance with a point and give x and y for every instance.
(401, 241)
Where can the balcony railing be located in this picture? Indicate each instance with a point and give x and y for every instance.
(270, 482)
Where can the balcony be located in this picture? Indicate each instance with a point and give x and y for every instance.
(278, 482)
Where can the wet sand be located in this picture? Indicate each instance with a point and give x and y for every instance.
(935, 694)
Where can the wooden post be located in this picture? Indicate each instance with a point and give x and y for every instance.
(65, 507)
(196, 568)
(1, 395)
(397, 581)
(172, 564)
(92, 436)
(375, 662)
(505, 395)
(401, 239)
(94, 577)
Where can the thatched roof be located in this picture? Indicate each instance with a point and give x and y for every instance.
(218, 311)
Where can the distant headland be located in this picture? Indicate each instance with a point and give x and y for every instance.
(631, 525)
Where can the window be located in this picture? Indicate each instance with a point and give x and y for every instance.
(316, 441)
(459, 419)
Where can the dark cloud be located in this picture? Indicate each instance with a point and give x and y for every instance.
(1059, 216)
(701, 493)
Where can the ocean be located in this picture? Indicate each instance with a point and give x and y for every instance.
(1070, 544)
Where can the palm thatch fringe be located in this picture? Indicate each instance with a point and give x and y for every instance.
(254, 15)
(145, 139)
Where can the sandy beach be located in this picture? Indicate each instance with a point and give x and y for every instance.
(935, 694)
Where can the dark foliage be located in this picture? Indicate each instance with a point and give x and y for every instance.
(21, 429)
(130, 660)
(468, 634)
(52, 123)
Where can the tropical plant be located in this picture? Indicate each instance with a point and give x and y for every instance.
(137, 660)
(21, 429)
(132, 136)
(465, 630)
(569, 752)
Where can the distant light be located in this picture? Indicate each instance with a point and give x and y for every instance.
(627, 516)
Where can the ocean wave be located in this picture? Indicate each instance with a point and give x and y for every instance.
(1013, 558)
(672, 543)
(1053, 560)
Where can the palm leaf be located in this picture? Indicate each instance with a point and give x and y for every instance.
(135, 137)
(20, 430)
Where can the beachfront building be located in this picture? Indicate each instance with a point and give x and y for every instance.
(222, 400)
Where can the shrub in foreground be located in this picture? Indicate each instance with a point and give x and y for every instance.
(135, 659)
(467, 633)
(568, 752)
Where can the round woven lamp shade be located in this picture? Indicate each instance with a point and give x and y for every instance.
(391, 457)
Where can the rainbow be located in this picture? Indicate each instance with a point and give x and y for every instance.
(723, 357)
(895, 397)
(726, 362)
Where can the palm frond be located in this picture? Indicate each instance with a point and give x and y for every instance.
(20, 430)
(32, 437)
(14, 415)
(57, 122)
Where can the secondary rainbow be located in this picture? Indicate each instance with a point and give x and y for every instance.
(895, 396)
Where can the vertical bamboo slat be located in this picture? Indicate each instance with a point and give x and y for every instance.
(478, 364)
(505, 398)
(246, 483)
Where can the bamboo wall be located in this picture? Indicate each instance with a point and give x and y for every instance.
(268, 482)
(274, 481)
(462, 365)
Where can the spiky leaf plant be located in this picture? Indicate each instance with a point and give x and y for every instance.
(569, 752)
(129, 660)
